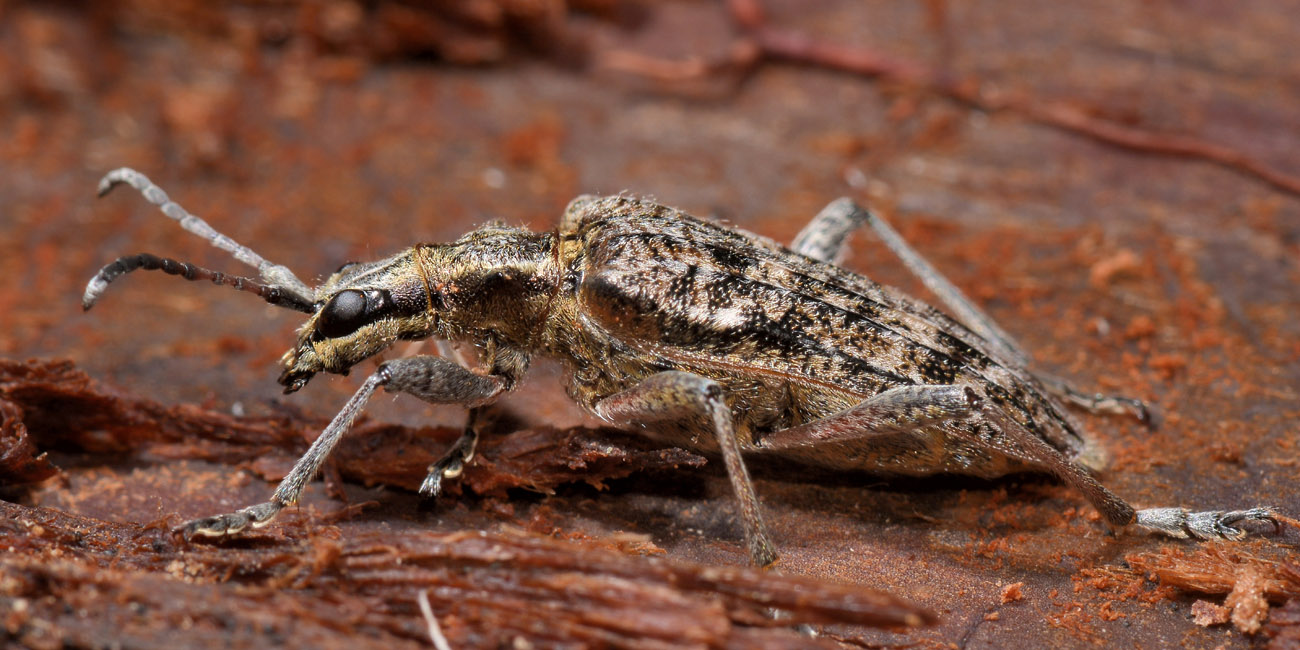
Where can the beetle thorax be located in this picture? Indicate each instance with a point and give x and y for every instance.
(495, 281)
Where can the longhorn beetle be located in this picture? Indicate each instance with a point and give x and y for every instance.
(707, 337)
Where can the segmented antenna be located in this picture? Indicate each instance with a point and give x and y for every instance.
(275, 295)
(273, 275)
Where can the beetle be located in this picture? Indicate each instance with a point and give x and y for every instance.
(706, 337)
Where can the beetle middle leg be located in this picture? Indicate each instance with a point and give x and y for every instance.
(1098, 402)
(823, 239)
(680, 396)
(503, 362)
(432, 379)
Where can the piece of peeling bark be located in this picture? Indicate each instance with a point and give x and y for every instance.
(1217, 567)
(62, 408)
(325, 589)
(1247, 602)
(20, 462)
(537, 459)
(1248, 578)
(312, 585)
(1206, 613)
(1283, 628)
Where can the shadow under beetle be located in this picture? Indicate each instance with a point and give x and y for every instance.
(707, 337)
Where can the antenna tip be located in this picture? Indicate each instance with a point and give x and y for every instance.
(106, 185)
(95, 289)
(120, 175)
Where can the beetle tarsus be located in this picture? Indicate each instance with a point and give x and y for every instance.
(453, 461)
(1182, 523)
(233, 523)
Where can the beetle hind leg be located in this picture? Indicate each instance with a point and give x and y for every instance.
(911, 408)
(1179, 523)
(899, 410)
(233, 523)
(824, 237)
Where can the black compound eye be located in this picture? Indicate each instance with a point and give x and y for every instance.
(343, 314)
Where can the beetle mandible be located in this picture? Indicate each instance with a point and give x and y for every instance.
(709, 338)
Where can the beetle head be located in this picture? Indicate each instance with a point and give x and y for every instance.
(363, 310)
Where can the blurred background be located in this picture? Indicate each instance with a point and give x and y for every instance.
(1116, 181)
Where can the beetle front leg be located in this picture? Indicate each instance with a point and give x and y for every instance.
(432, 379)
(677, 396)
(453, 461)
